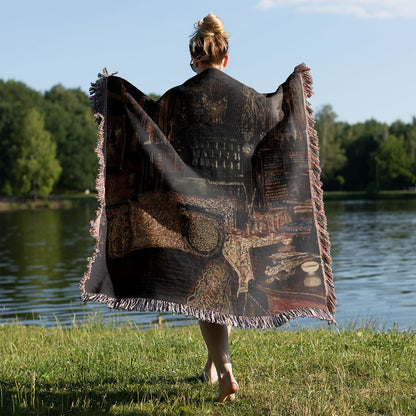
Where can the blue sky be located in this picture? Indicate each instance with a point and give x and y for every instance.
(361, 53)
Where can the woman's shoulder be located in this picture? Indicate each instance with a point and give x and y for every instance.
(216, 79)
(213, 74)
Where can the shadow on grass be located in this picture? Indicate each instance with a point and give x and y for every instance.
(98, 397)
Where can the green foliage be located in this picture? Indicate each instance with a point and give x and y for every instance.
(361, 152)
(15, 100)
(332, 155)
(395, 164)
(73, 129)
(69, 131)
(14, 92)
(8, 123)
(33, 167)
(369, 156)
(340, 180)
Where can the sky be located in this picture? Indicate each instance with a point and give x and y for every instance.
(362, 53)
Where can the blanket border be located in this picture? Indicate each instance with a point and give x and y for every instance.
(316, 187)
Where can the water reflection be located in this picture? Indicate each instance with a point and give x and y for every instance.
(374, 259)
(42, 253)
(43, 257)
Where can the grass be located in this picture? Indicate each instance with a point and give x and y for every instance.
(108, 369)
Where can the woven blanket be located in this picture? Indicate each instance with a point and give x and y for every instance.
(210, 202)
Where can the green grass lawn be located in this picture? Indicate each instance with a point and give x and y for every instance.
(109, 369)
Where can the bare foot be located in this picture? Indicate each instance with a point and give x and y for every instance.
(209, 374)
(228, 388)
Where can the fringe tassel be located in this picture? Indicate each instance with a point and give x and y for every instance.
(245, 322)
(98, 91)
(316, 188)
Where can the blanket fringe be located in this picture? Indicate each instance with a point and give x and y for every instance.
(245, 322)
(98, 91)
(316, 188)
(98, 102)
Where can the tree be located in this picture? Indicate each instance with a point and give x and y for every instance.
(8, 119)
(408, 133)
(394, 164)
(71, 123)
(34, 168)
(332, 155)
(361, 142)
(15, 99)
(15, 92)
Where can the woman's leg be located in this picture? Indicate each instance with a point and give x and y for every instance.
(210, 372)
(216, 339)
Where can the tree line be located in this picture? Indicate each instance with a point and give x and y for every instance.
(47, 143)
(368, 156)
(47, 140)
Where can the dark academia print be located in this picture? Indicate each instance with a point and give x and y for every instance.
(210, 202)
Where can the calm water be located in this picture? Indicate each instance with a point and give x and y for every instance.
(43, 257)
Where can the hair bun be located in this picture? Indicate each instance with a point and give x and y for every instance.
(211, 25)
(209, 42)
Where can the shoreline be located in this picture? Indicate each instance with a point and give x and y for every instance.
(67, 201)
(18, 203)
(348, 195)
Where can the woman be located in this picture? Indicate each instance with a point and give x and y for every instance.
(211, 204)
(209, 49)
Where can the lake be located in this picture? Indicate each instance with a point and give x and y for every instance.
(43, 257)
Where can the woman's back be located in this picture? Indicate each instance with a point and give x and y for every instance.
(215, 123)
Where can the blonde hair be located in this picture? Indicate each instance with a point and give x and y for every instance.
(209, 42)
